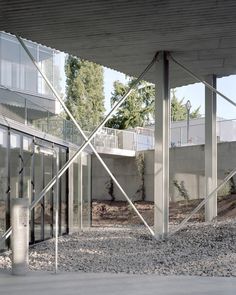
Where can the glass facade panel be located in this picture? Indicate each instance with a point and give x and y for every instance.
(18, 72)
(3, 179)
(27, 164)
(27, 152)
(63, 194)
(86, 190)
(46, 64)
(48, 205)
(38, 184)
(55, 169)
(27, 167)
(28, 72)
(10, 61)
(15, 165)
(77, 194)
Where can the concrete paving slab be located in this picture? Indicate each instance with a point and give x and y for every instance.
(106, 283)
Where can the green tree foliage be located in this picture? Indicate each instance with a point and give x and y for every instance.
(138, 109)
(84, 91)
(178, 109)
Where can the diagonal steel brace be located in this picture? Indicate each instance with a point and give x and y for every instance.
(88, 139)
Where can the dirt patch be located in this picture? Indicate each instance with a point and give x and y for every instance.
(110, 213)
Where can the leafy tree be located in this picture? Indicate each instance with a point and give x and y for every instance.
(178, 109)
(84, 91)
(138, 109)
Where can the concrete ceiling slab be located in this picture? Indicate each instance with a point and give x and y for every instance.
(125, 35)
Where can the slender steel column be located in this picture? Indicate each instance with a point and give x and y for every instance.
(210, 148)
(161, 162)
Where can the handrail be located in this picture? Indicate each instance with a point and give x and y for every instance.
(206, 199)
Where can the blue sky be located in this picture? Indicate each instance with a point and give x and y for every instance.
(195, 93)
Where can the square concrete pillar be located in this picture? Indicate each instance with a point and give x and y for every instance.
(161, 162)
(210, 148)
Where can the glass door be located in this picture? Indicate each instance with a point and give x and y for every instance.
(48, 199)
(38, 186)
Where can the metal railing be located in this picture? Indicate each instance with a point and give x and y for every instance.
(16, 107)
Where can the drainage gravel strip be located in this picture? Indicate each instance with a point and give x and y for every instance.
(202, 249)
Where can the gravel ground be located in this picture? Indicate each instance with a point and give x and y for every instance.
(202, 249)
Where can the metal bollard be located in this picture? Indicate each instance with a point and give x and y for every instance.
(20, 236)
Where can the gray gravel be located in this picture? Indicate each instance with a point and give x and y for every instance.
(202, 249)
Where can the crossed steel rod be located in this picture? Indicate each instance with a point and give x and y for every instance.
(98, 128)
(231, 174)
(87, 139)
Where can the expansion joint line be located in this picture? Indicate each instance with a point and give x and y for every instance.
(87, 139)
(198, 79)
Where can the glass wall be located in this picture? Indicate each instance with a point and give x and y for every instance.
(27, 173)
(82, 192)
(27, 164)
(38, 186)
(63, 194)
(86, 190)
(15, 165)
(48, 201)
(3, 178)
(77, 194)
(18, 72)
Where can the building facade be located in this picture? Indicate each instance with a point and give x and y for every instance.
(30, 154)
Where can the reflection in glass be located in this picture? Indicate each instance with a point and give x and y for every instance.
(46, 64)
(28, 72)
(38, 183)
(27, 154)
(48, 214)
(3, 180)
(15, 165)
(86, 191)
(63, 193)
(77, 194)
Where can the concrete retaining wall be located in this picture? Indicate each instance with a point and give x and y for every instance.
(186, 164)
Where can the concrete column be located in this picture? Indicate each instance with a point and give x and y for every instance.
(161, 161)
(210, 148)
(20, 236)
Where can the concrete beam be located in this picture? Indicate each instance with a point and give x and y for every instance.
(161, 161)
(210, 148)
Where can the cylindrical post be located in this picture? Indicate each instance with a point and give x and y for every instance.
(20, 236)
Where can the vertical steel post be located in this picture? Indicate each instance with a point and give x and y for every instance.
(210, 148)
(80, 189)
(26, 113)
(56, 211)
(188, 107)
(161, 161)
